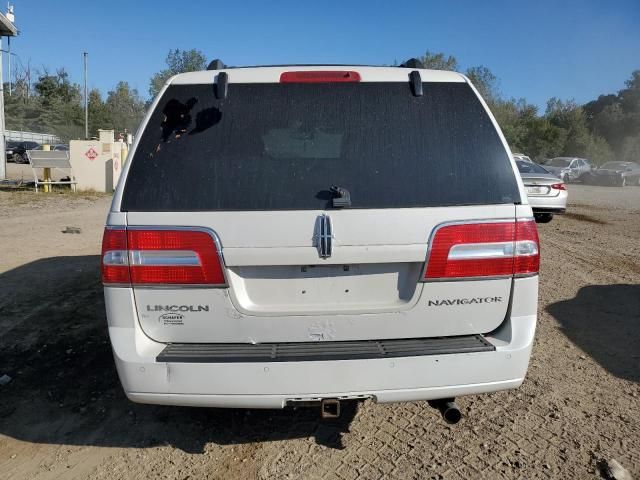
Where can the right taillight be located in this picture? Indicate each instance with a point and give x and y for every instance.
(526, 259)
(491, 249)
(558, 186)
(155, 257)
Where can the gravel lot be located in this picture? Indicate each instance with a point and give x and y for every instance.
(64, 415)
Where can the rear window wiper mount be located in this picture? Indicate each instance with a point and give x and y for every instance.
(342, 197)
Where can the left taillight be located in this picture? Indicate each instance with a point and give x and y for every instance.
(140, 256)
(115, 260)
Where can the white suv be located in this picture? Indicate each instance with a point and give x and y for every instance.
(295, 234)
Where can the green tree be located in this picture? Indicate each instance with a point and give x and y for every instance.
(98, 114)
(438, 61)
(178, 61)
(612, 123)
(56, 107)
(598, 151)
(507, 115)
(630, 96)
(485, 81)
(125, 108)
(570, 117)
(544, 140)
(630, 150)
(57, 87)
(616, 118)
(481, 77)
(527, 132)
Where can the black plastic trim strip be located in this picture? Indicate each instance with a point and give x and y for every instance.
(322, 351)
(559, 211)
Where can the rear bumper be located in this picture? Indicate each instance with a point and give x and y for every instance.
(280, 401)
(275, 384)
(543, 204)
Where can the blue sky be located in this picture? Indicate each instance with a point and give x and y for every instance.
(538, 49)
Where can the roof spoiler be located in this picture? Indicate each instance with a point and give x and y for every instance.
(222, 79)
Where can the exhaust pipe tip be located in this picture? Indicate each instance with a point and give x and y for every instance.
(451, 413)
(448, 409)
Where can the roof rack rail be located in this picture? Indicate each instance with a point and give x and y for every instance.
(412, 63)
(216, 64)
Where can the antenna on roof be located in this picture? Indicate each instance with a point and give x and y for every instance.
(216, 64)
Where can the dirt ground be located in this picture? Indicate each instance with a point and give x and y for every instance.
(64, 415)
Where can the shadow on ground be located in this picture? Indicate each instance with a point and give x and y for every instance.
(604, 321)
(65, 390)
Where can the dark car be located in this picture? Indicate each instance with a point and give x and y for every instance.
(617, 174)
(58, 147)
(17, 150)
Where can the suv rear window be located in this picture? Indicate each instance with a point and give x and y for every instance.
(282, 146)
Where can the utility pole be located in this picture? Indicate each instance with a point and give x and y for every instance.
(86, 99)
(9, 52)
(7, 29)
(3, 153)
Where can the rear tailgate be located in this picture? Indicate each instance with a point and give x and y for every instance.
(255, 169)
(280, 290)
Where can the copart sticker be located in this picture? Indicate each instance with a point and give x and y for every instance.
(171, 319)
(175, 314)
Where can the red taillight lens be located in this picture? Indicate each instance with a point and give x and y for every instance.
(559, 186)
(527, 250)
(115, 263)
(173, 257)
(319, 77)
(483, 250)
(164, 257)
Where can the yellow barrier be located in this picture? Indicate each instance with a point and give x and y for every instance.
(123, 153)
(47, 171)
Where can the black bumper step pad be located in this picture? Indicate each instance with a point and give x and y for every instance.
(319, 351)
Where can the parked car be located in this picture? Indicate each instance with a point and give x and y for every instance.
(58, 147)
(294, 248)
(569, 169)
(522, 157)
(16, 151)
(616, 173)
(547, 194)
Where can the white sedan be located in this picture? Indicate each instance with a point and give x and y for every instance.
(547, 193)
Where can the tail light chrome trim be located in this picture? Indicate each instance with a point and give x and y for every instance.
(484, 251)
(164, 258)
(113, 258)
(515, 255)
(134, 258)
